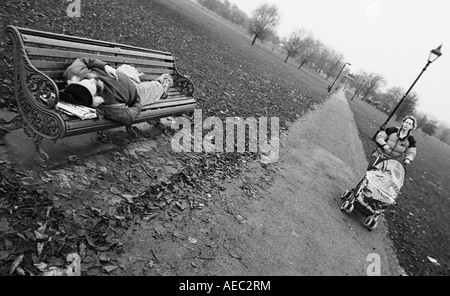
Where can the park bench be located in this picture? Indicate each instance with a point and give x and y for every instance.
(40, 59)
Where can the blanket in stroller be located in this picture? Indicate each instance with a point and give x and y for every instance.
(383, 183)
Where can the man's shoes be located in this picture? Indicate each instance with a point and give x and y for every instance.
(166, 82)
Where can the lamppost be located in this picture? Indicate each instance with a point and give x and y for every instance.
(358, 90)
(434, 54)
(331, 87)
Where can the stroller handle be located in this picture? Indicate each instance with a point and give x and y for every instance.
(382, 156)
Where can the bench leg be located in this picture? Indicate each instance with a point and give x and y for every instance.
(41, 156)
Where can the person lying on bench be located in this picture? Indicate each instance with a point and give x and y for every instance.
(116, 96)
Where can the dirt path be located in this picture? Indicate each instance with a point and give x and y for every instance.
(296, 228)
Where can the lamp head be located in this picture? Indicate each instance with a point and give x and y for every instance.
(434, 54)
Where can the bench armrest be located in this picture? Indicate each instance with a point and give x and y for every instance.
(183, 83)
(37, 87)
(35, 93)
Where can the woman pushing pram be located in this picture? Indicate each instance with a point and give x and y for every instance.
(385, 174)
(397, 142)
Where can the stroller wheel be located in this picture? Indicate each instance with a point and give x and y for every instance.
(345, 195)
(345, 205)
(349, 208)
(371, 223)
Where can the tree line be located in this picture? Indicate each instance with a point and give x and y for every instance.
(370, 84)
(227, 10)
(307, 51)
(300, 45)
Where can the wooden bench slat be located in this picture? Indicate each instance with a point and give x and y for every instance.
(73, 55)
(150, 74)
(152, 71)
(144, 113)
(165, 104)
(180, 97)
(173, 99)
(54, 74)
(75, 39)
(147, 77)
(174, 93)
(149, 113)
(58, 74)
(62, 84)
(102, 49)
(78, 127)
(50, 64)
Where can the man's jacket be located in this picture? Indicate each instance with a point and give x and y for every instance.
(122, 102)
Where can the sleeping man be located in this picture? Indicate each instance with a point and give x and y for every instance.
(115, 95)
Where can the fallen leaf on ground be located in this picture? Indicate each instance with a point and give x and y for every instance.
(116, 191)
(433, 260)
(16, 263)
(129, 198)
(73, 269)
(110, 268)
(177, 234)
(234, 254)
(40, 248)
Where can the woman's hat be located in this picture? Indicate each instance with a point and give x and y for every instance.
(77, 94)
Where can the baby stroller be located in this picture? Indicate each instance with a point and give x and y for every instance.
(376, 191)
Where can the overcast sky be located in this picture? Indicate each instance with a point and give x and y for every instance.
(389, 37)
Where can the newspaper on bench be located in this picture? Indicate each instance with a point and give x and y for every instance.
(77, 110)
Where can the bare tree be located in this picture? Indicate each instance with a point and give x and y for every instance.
(334, 63)
(373, 82)
(324, 53)
(307, 53)
(295, 42)
(408, 106)
(421, 120)
(227, 10)
(430, 128)
(273, 38)
(314, 53)
(391, 97)
(444, 134)
(395, 94)
(264, 20)
(237, 16)
(357, 83)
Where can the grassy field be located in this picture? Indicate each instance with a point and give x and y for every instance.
(419, 224)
